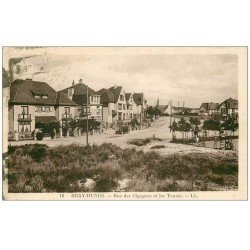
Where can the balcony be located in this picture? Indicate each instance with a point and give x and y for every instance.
(24, 117)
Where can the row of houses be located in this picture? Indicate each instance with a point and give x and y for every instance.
(33, 101)
(227, 108)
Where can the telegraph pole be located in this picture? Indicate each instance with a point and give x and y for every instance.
(87, 135)
(170, 116)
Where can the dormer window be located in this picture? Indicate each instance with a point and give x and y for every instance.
(39, 94)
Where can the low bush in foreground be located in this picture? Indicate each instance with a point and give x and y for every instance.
(38, 168)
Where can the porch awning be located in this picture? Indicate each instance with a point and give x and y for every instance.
(46, 119)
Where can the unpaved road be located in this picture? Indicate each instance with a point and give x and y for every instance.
(159, 128)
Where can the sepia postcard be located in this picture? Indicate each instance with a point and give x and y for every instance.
(124, 123)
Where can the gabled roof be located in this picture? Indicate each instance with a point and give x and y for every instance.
(116, 90)
(80, 88)
(231, 103)
(162, 108)
(138, 98)
(24, 92)
(127, 96)
(106, 96)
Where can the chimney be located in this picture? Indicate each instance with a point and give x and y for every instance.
(80, 81)
(73, 83)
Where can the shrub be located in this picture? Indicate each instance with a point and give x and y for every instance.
(39, 136)
(105, 185)
(157, 147)
(38, 152)
(38, 168)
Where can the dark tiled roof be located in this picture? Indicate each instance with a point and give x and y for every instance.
(62, 99)
(24, 91)
(127, 95)
(116, 91)
(138, 98)
(231, 103)
(80, 88)
(80, 99)
(46, 119)
(106, 96)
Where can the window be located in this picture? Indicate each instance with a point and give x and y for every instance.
(119, 106)
(85, 109)
(124, 106)
(46, 109)
(24, 127)
(67, 110)
(124, 116)
(119, 116)
(223, 111)
(131, 115)
(38, 108)
(37, 96)
(25, 109)
(45, 97)
(121, 97)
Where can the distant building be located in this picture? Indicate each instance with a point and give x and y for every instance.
(164, 109)
(78, 94)
(208, 108)
(228, 108)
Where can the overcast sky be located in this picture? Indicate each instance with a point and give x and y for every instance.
(189, 78)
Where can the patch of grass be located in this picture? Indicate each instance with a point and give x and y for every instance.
(143, 142)
(182, 140)
(33, 168)
(157, 147)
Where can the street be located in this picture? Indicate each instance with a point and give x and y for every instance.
(159, 128)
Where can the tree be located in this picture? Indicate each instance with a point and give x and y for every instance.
(174, 127)
(92, 124)
(153, 111)
(6, 78)
(184, 127)
(212, 124)
(230, 124)
(194, 121)
(134, 122)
